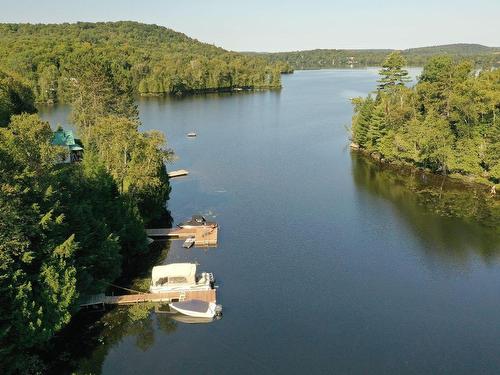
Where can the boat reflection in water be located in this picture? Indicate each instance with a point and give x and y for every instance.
(181, 318)
(191, 319)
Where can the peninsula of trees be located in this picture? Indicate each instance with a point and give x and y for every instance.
(154, 59)
(482, 56)
(449, 122)
(68, 229)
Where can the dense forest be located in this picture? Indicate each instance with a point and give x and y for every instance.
(449, 122)
(68, 229)
(156, 60)
(482, 56)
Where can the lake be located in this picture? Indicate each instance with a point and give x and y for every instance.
(327, 262)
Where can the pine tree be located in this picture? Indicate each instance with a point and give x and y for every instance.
(377, 128)
(392, 72)
(362, 120)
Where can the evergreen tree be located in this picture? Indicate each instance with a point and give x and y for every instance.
(392, 73)
(377, 128)
(361, 120)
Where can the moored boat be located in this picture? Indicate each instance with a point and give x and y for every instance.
(197, 221)
(179, 277)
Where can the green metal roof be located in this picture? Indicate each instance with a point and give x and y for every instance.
(66, 138)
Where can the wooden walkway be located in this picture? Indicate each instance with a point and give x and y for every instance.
(178, 173)
(130, 299)
(203, 235)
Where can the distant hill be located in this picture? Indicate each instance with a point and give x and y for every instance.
(459, 49)
(156, 59)
(335, 58)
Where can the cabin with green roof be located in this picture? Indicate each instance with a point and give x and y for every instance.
(65, 138)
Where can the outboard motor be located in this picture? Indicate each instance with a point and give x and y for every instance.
(211, 278)
(218, 312)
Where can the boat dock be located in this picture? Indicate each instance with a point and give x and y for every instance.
(178, 173)
(130, 299)
(203, 235)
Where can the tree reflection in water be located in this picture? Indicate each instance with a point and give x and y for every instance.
(86, 342)
(452, 219)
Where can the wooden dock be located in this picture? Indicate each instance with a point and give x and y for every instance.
(178, 173)
(204, 235)
(130, 299)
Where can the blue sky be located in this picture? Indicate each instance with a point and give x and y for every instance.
(259, 25)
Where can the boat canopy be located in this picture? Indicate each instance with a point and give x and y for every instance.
(175, 273)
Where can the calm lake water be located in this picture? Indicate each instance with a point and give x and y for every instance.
(326, 262)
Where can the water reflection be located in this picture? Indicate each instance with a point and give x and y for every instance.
(125, 323)
(86, 342)
(452, 221)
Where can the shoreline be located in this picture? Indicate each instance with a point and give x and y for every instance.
(460, 180)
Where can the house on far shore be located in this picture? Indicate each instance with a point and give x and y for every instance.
(65, 138)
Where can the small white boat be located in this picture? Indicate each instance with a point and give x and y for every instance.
(191, 134)
(188, 243)
(197, 308)
(179, 277)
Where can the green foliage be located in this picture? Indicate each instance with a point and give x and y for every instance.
(15, 98)
(392, 72)
(67, 230)
(362, 119)
(377, 127)
(135, 160)
(38, 278)
(448, 123)
(23, 142)
(98, 88)
(149, 59)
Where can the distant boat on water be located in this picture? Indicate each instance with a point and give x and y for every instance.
(191, 134)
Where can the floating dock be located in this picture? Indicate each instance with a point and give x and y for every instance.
(131, 299)
(178, 173)
(204, 236)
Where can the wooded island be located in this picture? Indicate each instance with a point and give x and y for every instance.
(447, 123)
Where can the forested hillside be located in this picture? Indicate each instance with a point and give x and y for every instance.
(482, 56)
(156, 60)
(449, 122)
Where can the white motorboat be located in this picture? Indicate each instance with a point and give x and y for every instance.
(191, 134)
(179, 277)
(197, 308)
